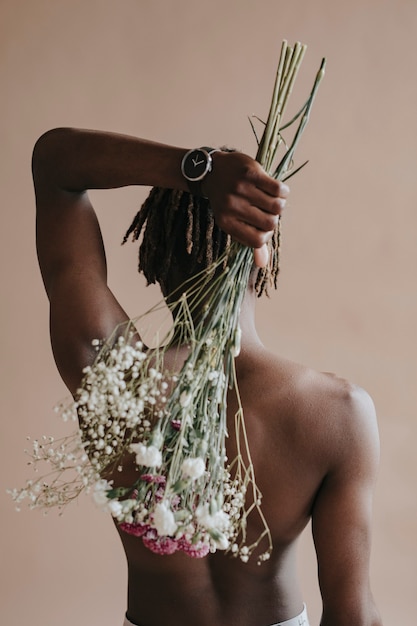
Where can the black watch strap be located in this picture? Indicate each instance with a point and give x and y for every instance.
(195, 188)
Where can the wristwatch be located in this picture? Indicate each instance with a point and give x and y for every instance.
(195, 166)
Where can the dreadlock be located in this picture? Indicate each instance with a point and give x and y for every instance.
(181, 232)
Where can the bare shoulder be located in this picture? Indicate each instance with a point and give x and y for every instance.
(338, 415)
(343, 405)
(327, 393)
(320, 414)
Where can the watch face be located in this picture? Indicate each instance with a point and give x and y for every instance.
(196, 164)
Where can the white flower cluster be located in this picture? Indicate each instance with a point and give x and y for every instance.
(173, 426)
(164, 520)
(120, 394)
(216, 522)
(149, 456)
(193, 468)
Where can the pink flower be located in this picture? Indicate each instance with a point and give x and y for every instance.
(159, 545)
(175, 502)
(195, 551)
(160, 494)
(137, 530)
(176, 424)
(153, 478)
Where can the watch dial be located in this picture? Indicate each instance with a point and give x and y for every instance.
(196, 165)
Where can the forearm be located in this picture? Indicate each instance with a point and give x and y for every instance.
(245, 201)
(77, 160)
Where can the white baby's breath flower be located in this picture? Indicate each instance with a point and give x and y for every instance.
(216, 521)
(193, 468)
(221, 541)
(235, 347)
(149, 456)
(213, 376)
(157, 438)
(100, 492)
(164, 520)
(115, 507)
(185, 399)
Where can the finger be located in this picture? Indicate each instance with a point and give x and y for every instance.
(272, 187)
(267, 203)
(261, 256)
(248, 235)
(284, 190)
(258, 218)
(249, 193)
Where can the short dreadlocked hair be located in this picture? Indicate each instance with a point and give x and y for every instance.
(182, 236)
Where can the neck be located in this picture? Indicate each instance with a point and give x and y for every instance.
(250, 338)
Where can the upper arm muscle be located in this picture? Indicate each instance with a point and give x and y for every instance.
(73, 265)
(342, 517)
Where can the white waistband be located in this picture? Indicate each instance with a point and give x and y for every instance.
(300, 620)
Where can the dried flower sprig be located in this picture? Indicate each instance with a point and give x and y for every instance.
(171, 426)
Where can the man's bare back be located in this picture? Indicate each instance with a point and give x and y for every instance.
(313, 437)
(298, 422)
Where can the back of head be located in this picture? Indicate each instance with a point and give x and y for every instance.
(181, 238)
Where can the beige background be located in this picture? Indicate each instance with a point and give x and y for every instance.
(189, 72)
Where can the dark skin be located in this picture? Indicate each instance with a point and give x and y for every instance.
(313, 437)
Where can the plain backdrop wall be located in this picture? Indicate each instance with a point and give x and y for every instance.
(189, 72)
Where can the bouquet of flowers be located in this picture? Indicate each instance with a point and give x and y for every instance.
(171, 427)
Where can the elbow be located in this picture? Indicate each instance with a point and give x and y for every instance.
(47, 143)
(48, 152)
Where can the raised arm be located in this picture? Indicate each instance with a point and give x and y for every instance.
(342, 519)
(69, 162)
